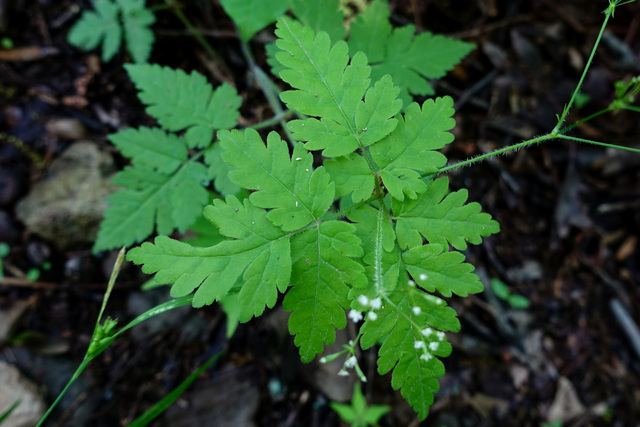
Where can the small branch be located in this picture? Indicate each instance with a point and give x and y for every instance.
(602, 144)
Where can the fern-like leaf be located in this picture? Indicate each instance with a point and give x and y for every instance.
(252, 16)
(441, 218)
(322, 271)
(151, 148)
(101, 26)
(333, 89)
(445, 272)
(409, 59)
(104, 25)
(136, 20)
(186, 101)
(411, 147)
(149, 198)
(256, 250)
(296, 194)
(409, 322)
(321, 16)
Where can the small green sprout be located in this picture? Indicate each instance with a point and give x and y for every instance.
(502, 291)
(358, 413)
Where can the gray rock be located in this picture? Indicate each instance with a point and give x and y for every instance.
(66, 208)
(14, 387)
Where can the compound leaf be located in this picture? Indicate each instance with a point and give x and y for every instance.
(151, 148)
(295, 194)
(96, 27)
(433, 269)
(330, 87)
(441, 218)
(219, 171)
(408, 59)
(411, 147)
(323, 269)
(182, 101)
(136, 21)
(351, 174)
(321, 16)
(257, 253)
(149, 198)
(411, 347)
(252, 16)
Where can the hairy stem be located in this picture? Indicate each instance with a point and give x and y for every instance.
(608, 13)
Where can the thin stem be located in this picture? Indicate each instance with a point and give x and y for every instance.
(602, 144)
(586, 119)
(272, 121)
(491, 154)
(563, 117)
(632, 108)
(266, 85)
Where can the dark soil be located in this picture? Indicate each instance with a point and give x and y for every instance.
(569, 217)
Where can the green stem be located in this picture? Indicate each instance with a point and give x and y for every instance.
(602, 144)
(586, 119)
(267, 87)
(632, 108)
(563, 117)
(272, 121)
(491, 154)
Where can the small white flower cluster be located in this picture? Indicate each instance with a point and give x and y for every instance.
(374, 304)
(432, 346)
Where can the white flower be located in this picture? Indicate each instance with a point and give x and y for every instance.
(372, 316)
(434, 346)
(343, 373)
(355, 315)
(411, 283)
(375, 304)
(418, 345)
(426, 357)
(440, 336)
(416, 310)
(362, 299)
(323, 360)
(427, 332)
(350, 362)
(423, 277)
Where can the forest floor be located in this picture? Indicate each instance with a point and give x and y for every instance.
(569, 216)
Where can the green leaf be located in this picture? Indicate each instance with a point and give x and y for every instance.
(182, 101)
(410, 60)
(441, 218)
(323, 269)
(150, 198)
(151, 148)
(321, 16)
(351, 174)
(258, 254)
(411, 348)
(518, 301)
(411, 147)
(104, 26)
(219, 171)
(330, 87)
(433, 269)
(500, 289)
(284, 184)
(136, 22)
(101, 26)
(252, 16)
